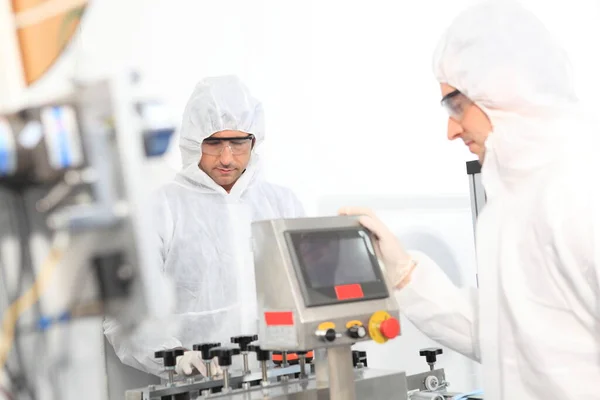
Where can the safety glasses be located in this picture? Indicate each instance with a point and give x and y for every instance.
(238, 145)
(456, 104)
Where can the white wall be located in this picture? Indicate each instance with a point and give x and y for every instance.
(350, 97)
(352, 106)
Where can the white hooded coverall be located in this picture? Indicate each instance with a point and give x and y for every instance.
(534, 321)
(203, 232)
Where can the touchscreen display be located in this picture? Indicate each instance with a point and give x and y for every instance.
(333, 258)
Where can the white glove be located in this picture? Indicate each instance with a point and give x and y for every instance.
(398, 263)
(193, 359)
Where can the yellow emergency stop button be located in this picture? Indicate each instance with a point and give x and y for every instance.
(382, 327)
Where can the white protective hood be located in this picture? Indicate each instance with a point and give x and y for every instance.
(218, 104)
(503, 58)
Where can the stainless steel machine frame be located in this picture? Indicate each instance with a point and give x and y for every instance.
(386, 385)
(291, 319)
(301, 312)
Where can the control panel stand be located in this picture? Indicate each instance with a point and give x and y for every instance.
(341, 373)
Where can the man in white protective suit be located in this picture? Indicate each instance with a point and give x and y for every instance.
(204, 226)
(534, 321)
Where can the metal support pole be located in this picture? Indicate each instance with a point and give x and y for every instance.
(302, 361)
(208, 369)
(341, 373)
(321, 367)
(264, 370)
(246, 368)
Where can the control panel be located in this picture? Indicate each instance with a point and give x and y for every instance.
(320, 284)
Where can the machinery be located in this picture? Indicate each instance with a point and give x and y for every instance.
(71, 167)
(321, 290)
(80, 152)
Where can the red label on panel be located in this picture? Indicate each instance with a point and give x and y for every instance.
(347, 292)
(279, 318)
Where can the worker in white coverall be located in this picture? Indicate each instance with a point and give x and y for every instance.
(534, 321)
(204, 225)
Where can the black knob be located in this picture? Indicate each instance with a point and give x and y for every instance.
(204, 348)
(169, 356)
(431, 354)
(243, 341)
(261, 355)
(330, 335)
(224, 354)
(357, 332)
(359, 357)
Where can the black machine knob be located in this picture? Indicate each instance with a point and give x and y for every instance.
(261, 355)
(357, 332)
(431, 354)
(224, 354)
(169, 356)
(243, 341)
(359, 357)
(204, 348)
(328, 335)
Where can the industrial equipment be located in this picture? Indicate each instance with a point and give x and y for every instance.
(321, 290)
(71, 166)
(84, 151)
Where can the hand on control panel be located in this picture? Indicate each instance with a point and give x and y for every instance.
(398, 263)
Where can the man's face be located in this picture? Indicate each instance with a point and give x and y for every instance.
(468, 123)
(225, 156)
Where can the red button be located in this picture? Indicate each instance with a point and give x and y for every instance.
(390, 328)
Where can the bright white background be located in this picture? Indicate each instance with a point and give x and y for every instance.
(352, 107)
(350, 99)
(351, 102)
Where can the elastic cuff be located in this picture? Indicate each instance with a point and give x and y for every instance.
(408, 266)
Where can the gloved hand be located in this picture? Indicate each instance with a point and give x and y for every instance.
(193, 359)
(398, 263)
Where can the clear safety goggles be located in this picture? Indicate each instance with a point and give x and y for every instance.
(456, 104)
(237, 145)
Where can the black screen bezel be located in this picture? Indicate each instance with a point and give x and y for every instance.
(314, 297)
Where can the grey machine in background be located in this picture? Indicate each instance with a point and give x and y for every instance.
(321, 289)
(71, 167)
